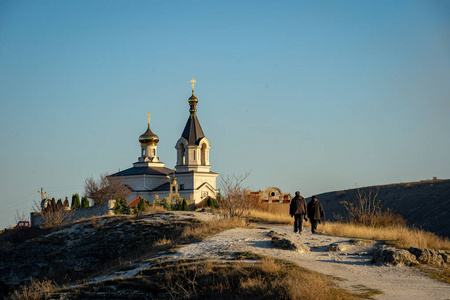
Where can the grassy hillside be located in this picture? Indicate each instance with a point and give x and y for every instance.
(424, 204)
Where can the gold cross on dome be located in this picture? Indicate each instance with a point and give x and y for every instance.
(148, 116)
(193, 82)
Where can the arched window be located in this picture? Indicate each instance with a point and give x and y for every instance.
(203, 154)
(182, 155)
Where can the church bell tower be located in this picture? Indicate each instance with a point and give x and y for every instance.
(195, 180)
(193, 147)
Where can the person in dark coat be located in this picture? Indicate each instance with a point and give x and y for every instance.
(298, 210)
(315, 213)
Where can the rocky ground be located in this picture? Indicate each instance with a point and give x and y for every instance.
(88, 246)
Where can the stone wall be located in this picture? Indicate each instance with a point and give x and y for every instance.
(80, 213)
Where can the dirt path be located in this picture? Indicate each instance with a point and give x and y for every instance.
(351, 262)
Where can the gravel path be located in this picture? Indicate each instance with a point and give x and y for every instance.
(351, 261)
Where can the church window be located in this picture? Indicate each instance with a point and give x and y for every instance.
(181, 186)
(203, 155)
(182, 155)
(154, 152)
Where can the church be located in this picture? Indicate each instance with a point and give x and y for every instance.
(191, 178)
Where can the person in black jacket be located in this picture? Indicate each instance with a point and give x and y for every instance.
(298, 210)
(315, 213)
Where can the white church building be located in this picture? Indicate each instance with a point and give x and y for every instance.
(191, 178)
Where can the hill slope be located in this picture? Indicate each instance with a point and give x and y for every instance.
(424, 204)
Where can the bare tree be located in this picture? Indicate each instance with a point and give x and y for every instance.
(232, 200)
(104, 189)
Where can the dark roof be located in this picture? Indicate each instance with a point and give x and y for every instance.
(193, 131)
(193, 172)
(163, 187)
(161, 171)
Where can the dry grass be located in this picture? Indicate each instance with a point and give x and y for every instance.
(266, 279)
(401, 236)
(270, 213)
(270, 217)
(281, 208)
(153, 209)
(442, 273)
(162, 242)
(35, 290)
(273, 278)
(203, 229)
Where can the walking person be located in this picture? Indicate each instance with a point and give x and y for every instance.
(315, 213)
(298, 210)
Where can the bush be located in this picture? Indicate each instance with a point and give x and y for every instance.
(163, 203)
(55, 215)
(184, 206)
(76, 201)
(141, 205)
(35, 289)
(121, 207)
(84, 202)
(368, 210)
(180, 204)
(210, 202)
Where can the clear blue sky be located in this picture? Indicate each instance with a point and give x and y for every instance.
(313, 96)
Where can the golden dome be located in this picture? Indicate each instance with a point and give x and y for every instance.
(193, 98)
(148, 138)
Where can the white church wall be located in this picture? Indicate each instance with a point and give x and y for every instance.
(186, 181)
(206, 191)
(200, 178)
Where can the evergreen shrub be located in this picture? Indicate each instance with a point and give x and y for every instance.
(76, 201)
(121, 207)
(164, 203)
(85, 202)
(210, 202)
(141, 205)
